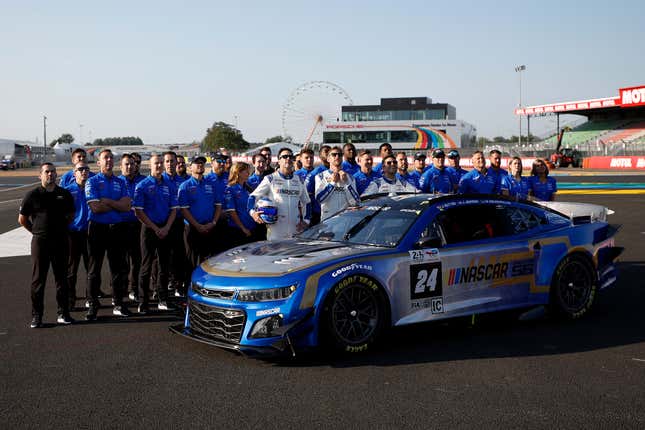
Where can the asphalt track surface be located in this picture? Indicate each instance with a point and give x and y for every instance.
(123, 373)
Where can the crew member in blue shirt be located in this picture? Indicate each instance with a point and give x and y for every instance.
(402, 172)
(437, 179)
(182, 169)
(219, 179)
(419, 168)
(155, 204)
(495, 169)
(69, 177)
(541, 185)
(350, 166)
(107, 197)
(307, 159)
(201, 208)
(178, 257)
(236, 201)
(453, 166)
(366, 175)
(260, 165)
(310, 183)
(479, 180)
(514, 184)
(78, 230)
(384, 150)
(132, 226)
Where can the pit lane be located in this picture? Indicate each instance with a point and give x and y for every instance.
(499, 372)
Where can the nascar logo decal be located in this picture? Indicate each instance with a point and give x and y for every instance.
(493, 271)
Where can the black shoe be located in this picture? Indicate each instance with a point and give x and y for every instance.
(91, 314)
(121, 311)
(64, 319)
(36, 322)
(143, 309)
(103, 294)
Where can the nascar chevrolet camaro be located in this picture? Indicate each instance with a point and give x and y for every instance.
(397, 260)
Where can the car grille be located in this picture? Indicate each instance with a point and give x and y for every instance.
(217, 324)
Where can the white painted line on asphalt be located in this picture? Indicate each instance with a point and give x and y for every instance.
(11, 201)
(638, 359)
(21, 186)
(15, 243)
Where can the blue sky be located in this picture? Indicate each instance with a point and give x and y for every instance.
(166, 71)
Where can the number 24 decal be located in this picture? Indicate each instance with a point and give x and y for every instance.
(425, 281)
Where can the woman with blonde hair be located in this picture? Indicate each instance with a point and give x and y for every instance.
(236, 197)
(541, 185)
(516, 184)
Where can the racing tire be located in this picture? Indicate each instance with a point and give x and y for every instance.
(573, 287)
(355, 315)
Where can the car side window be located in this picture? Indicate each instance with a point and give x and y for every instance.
(474, 222)
(522, 220)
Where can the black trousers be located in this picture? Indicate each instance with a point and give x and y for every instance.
(153, 248)
(46, 251)
(133, 254)
(178, 260)
(198, 247)
(110, 239)
(77, 251)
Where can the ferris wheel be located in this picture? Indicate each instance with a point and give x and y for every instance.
(309, 107)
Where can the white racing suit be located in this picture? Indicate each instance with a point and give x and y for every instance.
(334, 196)
(383, 185)
(290, 197)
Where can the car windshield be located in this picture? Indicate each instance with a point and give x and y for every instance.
(368, 225)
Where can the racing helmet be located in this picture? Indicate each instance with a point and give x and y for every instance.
(267, 210)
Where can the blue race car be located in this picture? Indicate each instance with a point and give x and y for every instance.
(397, 260)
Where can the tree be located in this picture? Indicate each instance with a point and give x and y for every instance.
(64, 138)
(274, 139)
(223, 135)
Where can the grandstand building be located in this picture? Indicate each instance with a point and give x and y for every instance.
(407, 123)
(615, 125)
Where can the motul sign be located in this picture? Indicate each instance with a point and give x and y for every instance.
(632, 96)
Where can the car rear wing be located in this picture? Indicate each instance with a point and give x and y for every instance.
(579, 213)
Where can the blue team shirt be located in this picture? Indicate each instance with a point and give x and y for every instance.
(156, 198)
(515, 188)
(407, 177)
(350, 168)
(199, 198)
(236, 198)
(81, 210)
(415, 177)
(377, 170)
(363, 181)
(219, 184)
(457, 173)
(437, 181)
(131, 185)
(68, 178)
(310, 185)
(474, 182)
(100, 186)
(302, 173)
(543, 191)
(254, 180)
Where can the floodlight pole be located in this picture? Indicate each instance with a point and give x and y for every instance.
(44, 137)
(519, 70)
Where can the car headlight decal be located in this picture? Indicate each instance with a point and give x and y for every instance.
(266, 294)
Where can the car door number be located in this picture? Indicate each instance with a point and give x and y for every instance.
(425, 280)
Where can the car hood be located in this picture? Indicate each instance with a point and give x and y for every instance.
(274, 258)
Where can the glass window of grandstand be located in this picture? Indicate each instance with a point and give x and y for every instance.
(376, 136)
(435, 114)
(331, 137)
(417, 114)
(403, 136)
(349, 116)
(401, 115)
(354, 137)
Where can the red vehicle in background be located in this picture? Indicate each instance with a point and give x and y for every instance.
(565, 157)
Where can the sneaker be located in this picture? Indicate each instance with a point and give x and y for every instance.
(121, 311)
(143, 309)
(179, 294)
(133, 297)
(87, 304)
(91, 314)
(113, 302)
(163, 306)
(64, 319)
(36, 322)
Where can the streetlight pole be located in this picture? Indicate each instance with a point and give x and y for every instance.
(44, 137)
(80, 134)
(519, 70)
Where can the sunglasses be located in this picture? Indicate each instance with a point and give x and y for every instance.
(335, 154)
(83, 169)
(221, 161)
(287, 157)
(389, 163)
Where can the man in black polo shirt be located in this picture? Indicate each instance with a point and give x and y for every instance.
(46, 212)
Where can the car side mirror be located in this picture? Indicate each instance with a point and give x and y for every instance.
(429, 242)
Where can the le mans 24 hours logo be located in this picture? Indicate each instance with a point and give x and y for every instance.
(426, 289)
